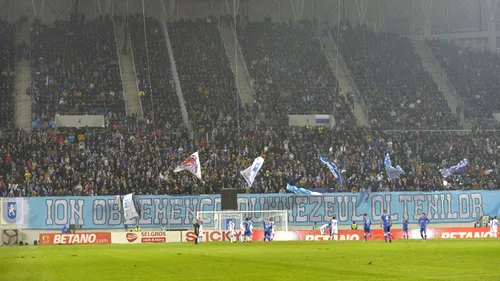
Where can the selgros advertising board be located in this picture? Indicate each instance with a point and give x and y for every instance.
(179, 211)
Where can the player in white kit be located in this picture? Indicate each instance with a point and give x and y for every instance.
(232, 231)
(334, 230)
(494, 227)
(271, 221)
(242, 232)
(324, 228)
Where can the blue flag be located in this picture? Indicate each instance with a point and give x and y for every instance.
(366, 194)
(300, 190)
(392, 172)
(333, 168)
(448, 171)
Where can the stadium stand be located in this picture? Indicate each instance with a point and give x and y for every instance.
(162, 104)
(289, 71)
(113, 162)
(206, 78)
(474, 74)
(398, 91)
(75, 69)
(7, 74)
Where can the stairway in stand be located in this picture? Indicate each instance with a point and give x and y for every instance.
(22, 114)
(334, 60)
(127, 70)
(238, 66)
(431, 64)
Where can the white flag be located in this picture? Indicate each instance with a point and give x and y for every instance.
(192, 164)
(129, 208)
(251, 172)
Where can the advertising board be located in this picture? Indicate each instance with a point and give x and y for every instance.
(350, 235)
(75, 238)
(145, 237)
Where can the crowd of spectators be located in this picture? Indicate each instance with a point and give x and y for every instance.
(474, 74)
(207, 81)
(160, 103)
(7, 73)
(290, 73)
(398, 91)
(75, 69)
(117, 162)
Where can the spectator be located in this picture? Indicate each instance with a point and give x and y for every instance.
(160, 103)
(7, 74)
(76, 69)
(474, 74)
(115, 162)
(398, 91)
(290, 73)
(206, 78)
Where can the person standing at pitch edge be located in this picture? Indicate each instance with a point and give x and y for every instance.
(354, 226)
(196, 227)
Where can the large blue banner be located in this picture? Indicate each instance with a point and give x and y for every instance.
(180, 211)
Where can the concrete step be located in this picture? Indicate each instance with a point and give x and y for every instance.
(431, 64)
(130, 90)
(333, 60)
(22, 100)
(245, 89)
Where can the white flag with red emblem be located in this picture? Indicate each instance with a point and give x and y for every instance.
(191, 164)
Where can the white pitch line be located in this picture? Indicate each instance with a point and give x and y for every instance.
(460, 276)
(430, 277)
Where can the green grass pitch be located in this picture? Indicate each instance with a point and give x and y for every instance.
(344, 260)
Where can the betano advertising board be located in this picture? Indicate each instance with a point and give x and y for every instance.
(258, 235)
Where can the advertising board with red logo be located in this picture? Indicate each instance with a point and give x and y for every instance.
(378, 234)
(75, 238)
(258, 235)
(154, 237)
(145, 237)
(210, 236)
(349, 235)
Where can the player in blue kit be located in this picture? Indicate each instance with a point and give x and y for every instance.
(423, 221)
(406, 222)
(367, 223)
(386, 223)
(267, 229)
(247, 234)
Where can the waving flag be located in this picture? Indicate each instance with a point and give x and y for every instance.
(366, 194)
(251, 172)
(333, 168)
(448, 171)
(131, 209)
(300, 190)
(191, 164)
(392, 172)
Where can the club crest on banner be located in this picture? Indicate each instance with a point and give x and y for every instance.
(11, 210)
